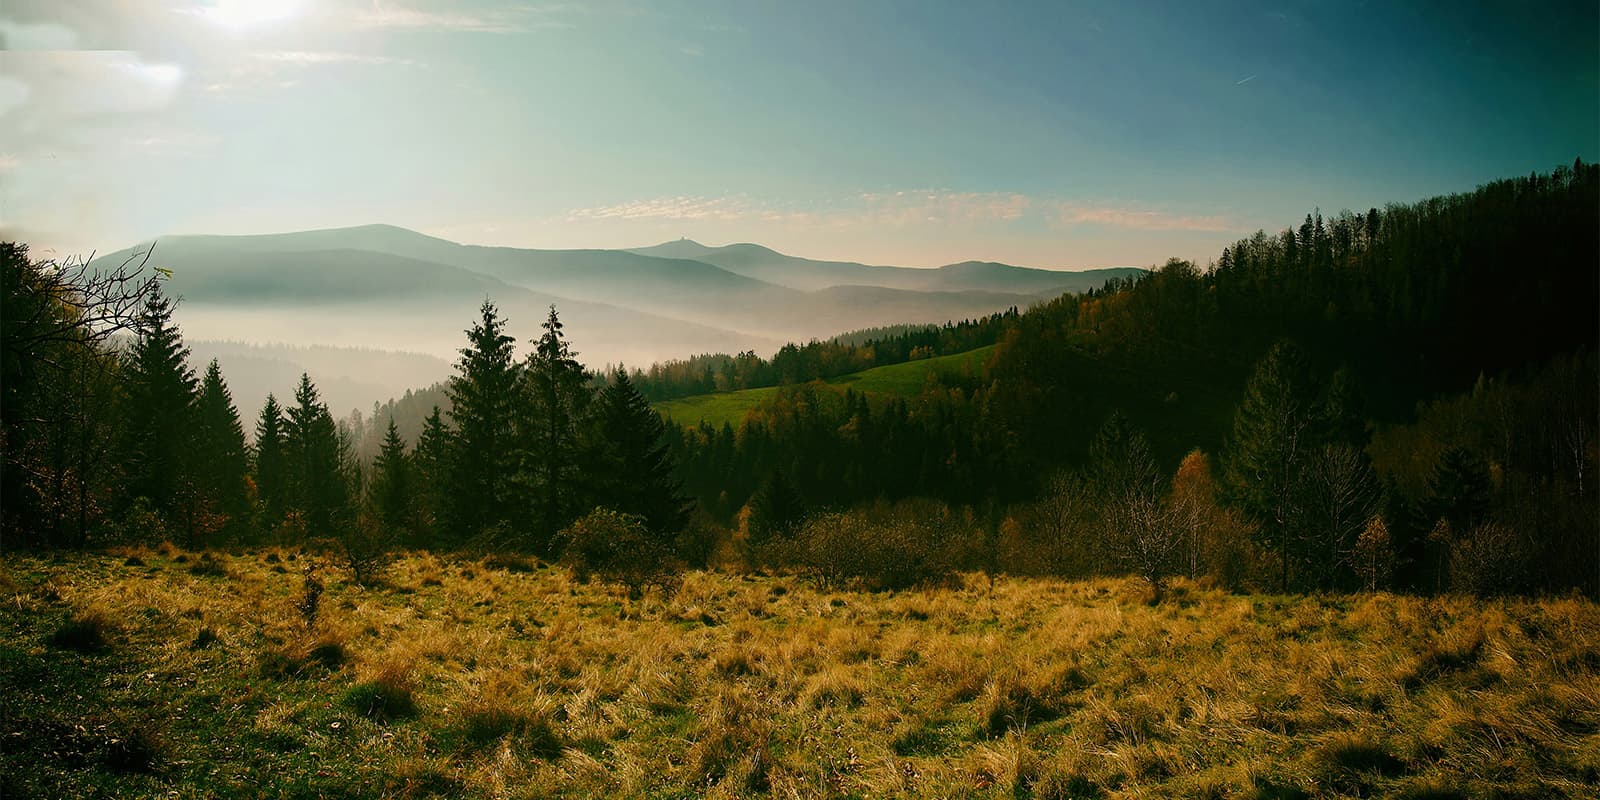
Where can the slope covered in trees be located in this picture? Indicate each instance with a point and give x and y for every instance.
(1278, 362)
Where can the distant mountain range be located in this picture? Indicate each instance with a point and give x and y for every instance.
(755, 261)
(379, 286)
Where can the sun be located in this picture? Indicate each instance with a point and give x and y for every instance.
(241, 14)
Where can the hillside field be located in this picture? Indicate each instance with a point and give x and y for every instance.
(894, 380)
(155, 672)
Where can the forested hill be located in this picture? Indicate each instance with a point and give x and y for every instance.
(1368, 318)
(1414, 300)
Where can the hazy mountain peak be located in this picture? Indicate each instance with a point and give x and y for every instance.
(677, 248)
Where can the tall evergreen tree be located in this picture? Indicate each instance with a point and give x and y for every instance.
(431, 470)
(1460, 489)
(482, 394)
(317, 463)
(776, 508)
(392, 490)
(1273, 432)
(634, 473)
(556, 390)
(220, 456)
(271, 466)
(158, 423)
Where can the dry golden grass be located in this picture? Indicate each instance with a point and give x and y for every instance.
(492, 678)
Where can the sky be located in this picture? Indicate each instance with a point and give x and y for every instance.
(1052, 134)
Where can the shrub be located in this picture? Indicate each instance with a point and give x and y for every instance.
(1491, 559)
(365, 550)
(698, 540)
(140, 523)
(618, 548)
(886, 547)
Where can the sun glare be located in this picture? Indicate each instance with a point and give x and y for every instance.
(241, 14)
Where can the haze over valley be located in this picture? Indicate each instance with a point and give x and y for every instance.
(323, 301)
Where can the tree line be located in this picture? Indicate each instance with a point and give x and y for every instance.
(815, 360)
(109, 435)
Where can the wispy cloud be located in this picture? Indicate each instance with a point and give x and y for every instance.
(939, 205)
(1245, 81)
(317, 57)
(1138, 219)
(904, 209)
(900, 208)
(683, 207)
(518, 19)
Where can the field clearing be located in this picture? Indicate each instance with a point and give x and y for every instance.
(896, 380)
(146, 672)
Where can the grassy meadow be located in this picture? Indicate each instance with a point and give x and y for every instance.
(896, 380)
(147, 672)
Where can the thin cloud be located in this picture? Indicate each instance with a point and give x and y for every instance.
(884, 209)
(1245, 81)
(902, 209)
(385, 17)
(313, 58)
(1138, 219)
(683, 207)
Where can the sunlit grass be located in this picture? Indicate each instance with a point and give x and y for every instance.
(460, 677)
(894, 380)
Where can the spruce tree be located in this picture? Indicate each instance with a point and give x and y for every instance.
(776, 508)
(220, 456)
(557, 395)
(317, 464)
(392, 494)
(271, 467)
(1460, 489)
(1273, 438)
(158, 421)
(482, 394)
(635, 472)
(431, 462)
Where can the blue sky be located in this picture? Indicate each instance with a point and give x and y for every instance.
(1048, 134)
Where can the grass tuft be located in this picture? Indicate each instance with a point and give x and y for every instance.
(84, 633)
(133, 747)
(486, 723)
(511, 562)
(381, 699)
(204, 638)
(210, 565)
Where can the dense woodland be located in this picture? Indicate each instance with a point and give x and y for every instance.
(1401, 399)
